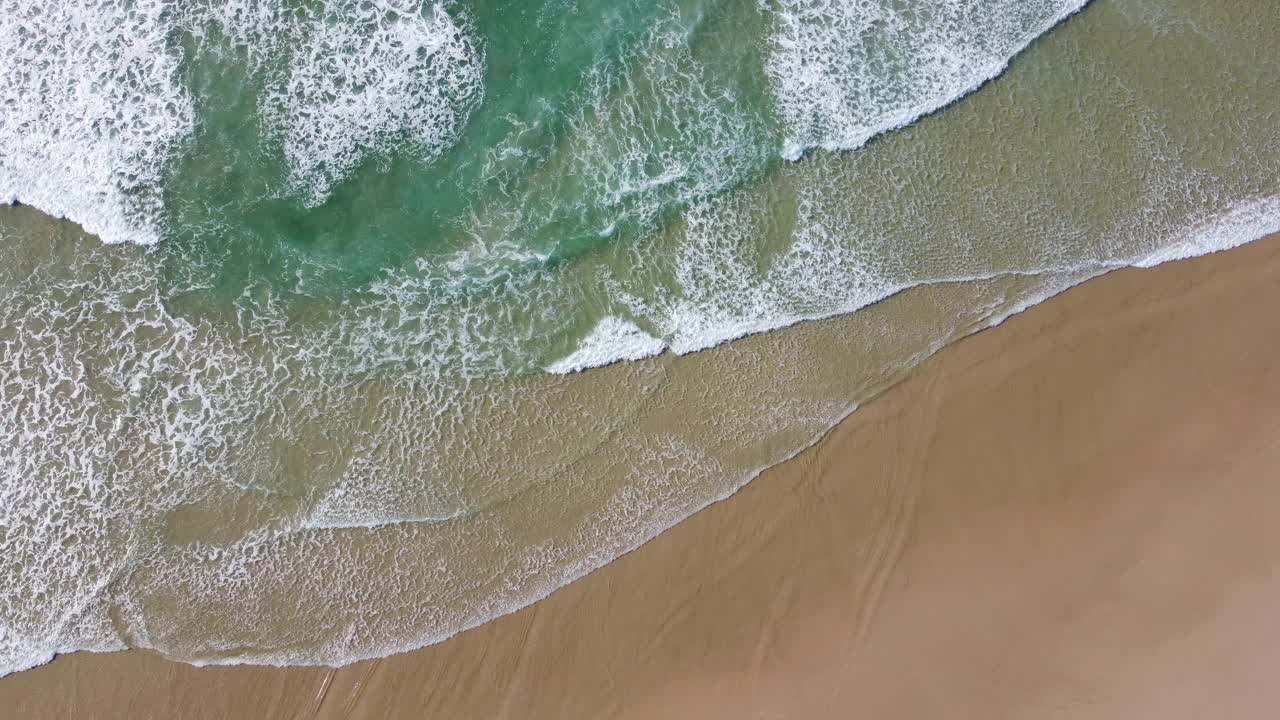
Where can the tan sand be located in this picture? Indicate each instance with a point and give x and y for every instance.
(1074, 515)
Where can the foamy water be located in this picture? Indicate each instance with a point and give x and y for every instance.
(408, 313)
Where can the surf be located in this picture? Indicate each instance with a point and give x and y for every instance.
(385, 318)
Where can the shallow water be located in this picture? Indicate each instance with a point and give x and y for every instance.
(314, 398)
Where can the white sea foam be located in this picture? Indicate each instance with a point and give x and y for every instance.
(74, 502)
(350, 80)
(613, 339)
(365, 78)
(844, 71)
(93, 111)
(1244, 222)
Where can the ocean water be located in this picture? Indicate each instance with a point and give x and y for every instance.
(331, 328)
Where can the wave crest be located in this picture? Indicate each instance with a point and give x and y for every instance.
(844, 72)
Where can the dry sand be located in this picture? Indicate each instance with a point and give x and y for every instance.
(1074, 515)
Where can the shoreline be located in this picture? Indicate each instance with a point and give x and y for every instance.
(823, 583)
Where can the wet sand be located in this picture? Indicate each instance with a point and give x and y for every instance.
(1073, 515)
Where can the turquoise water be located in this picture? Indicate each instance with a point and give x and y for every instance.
(370, 320)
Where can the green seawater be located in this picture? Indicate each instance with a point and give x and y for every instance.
(367, 321)
(583, 118)
(548, 70)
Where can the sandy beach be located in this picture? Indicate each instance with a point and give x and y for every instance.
(1072, 515)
